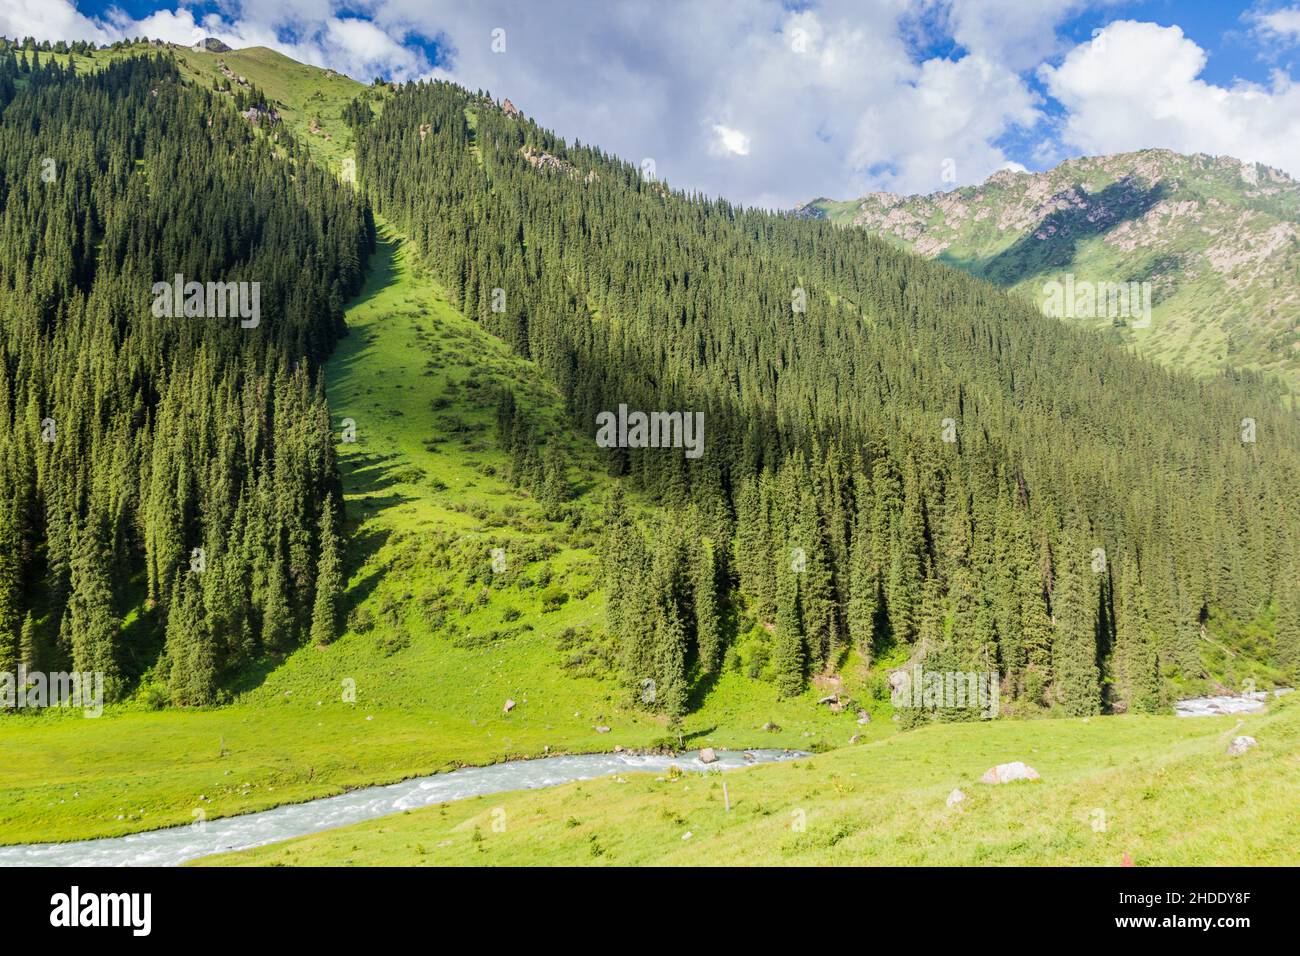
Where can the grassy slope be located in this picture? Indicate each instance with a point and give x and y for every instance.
(1167, 793)
(423, 515)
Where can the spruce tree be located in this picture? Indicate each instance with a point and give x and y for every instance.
(329, 581)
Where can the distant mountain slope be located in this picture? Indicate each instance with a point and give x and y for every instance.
(1217, 238)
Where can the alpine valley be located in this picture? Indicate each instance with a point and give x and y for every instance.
(408, 520)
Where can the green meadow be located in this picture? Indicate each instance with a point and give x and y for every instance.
(1149, 791)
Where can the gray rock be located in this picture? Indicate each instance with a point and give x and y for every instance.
(602, 730)
(510, 705)
(955, 797)
(1009, 772)
(708, 756)
(1240, 745)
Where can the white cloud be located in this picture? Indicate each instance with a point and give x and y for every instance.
(1014, 33)
(1137, 85)
(1283, 23)
(730, 141)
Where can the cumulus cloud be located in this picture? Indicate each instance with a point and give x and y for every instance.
(1138, 85)
(1283, 24)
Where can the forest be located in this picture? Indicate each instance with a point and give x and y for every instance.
(898, 456)
(169, 500)
(895, 457)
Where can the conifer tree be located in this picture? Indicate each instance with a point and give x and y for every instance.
(329, 581)
(1074, 643)
(788, 660)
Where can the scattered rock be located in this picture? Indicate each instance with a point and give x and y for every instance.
(1009, 772)
(510, 705)
(772, 728)
(955, 797)
(602, 730)
(863, 718)
(853, 739)
(830, 699)
(687, 835)
(1240, 745)
(708, 756)
(618, 748)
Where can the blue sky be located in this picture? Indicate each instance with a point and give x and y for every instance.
(771, 103)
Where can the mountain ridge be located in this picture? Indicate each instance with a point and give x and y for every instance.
(1215, 237)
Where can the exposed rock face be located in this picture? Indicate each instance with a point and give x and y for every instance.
(255, 115)
(1240, 745)
(510, 109)
(1009, 773)
(1218, 240)
(211, 45)
(540, 159)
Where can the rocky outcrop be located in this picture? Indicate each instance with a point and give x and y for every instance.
(1009, 773)
(542, 160)
(1240, 745)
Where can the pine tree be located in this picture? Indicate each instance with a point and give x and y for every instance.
(329, 581)
(670, 663)
(864, 591)
(788, 661)
(1074, 642)
(708, 622)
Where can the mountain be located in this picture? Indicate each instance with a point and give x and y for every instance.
(412, 513)
(1217, 239)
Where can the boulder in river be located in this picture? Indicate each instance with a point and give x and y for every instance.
(1009, 772)
(708, 756)
(1240, 745)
